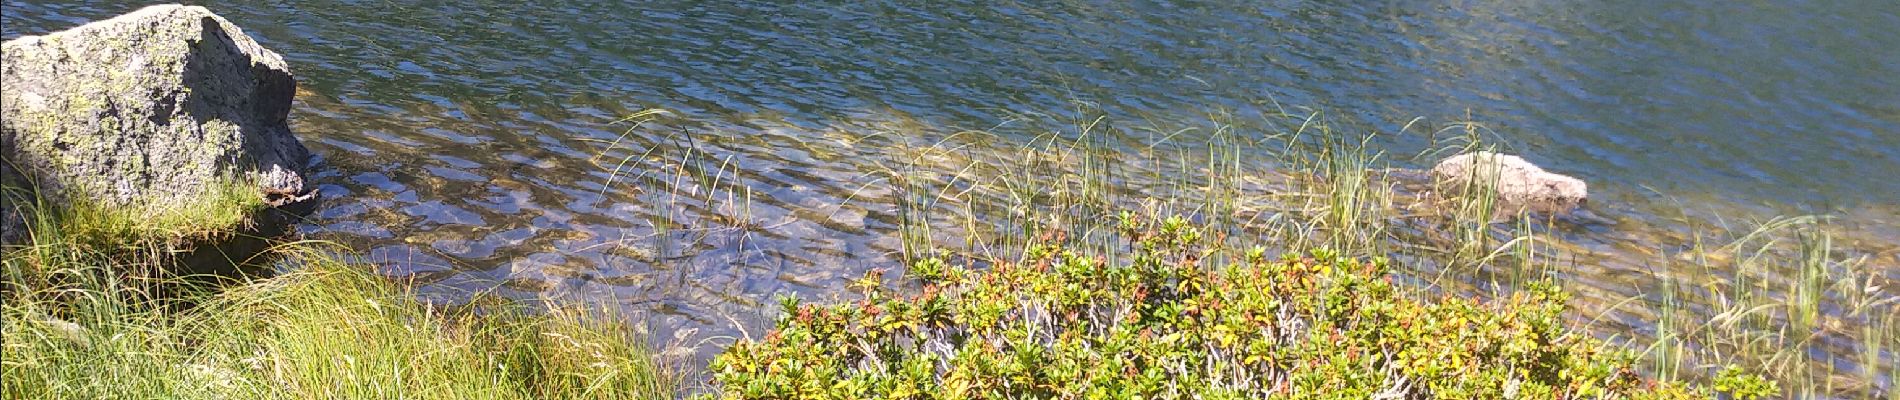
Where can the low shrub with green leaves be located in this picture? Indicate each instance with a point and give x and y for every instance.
(1177, 319)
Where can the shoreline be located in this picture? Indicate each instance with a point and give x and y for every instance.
(1346, 192)
(1274, 257)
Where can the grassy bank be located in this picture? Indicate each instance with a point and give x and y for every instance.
(89, 316)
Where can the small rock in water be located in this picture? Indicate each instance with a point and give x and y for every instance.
(1520, 184)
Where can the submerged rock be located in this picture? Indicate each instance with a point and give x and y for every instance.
(150, 109)
(1520, 184)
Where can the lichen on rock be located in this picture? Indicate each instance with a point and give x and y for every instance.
(148, 110)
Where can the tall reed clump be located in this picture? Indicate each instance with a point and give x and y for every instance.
(79, 323)
(1782, 299)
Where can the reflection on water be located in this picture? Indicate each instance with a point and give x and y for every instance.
(470, 144)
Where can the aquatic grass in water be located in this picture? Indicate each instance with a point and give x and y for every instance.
(1831, 301)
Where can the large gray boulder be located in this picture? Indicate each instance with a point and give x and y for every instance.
(148, 109)
(1520, 185)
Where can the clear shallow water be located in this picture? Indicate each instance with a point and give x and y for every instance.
(461, 138)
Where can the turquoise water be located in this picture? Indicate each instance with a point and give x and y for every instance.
(461, 138)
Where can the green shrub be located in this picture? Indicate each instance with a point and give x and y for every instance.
(1744, 386)
(1179, 320)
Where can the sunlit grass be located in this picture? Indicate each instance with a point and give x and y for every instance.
(223, 209)
(91, 317)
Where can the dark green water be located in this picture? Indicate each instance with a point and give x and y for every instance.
(460, 137)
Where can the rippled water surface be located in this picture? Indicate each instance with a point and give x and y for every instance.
(473, 144)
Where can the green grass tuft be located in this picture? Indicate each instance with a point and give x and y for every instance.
(80, 323)
(220, 211)
(329, 330)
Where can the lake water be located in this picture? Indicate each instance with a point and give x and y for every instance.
(463, 139)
